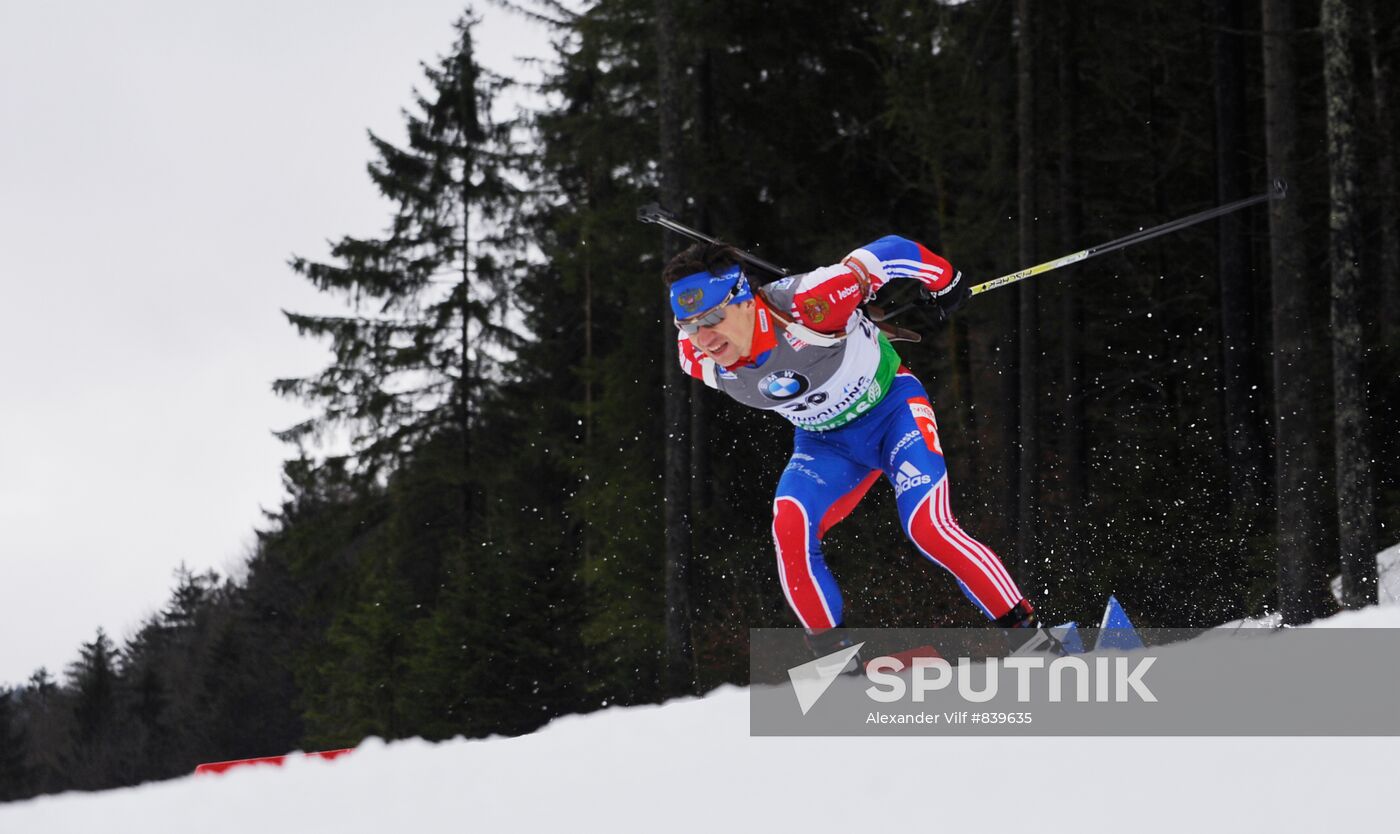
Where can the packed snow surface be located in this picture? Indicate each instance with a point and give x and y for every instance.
(690, 765)
(1387, 574)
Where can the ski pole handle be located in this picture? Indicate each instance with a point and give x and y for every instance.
(1029, 272)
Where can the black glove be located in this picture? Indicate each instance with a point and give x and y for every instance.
(950, 300)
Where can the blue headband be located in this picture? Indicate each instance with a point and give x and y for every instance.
(702, 291)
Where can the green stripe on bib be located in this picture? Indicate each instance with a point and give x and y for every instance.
(884, 377)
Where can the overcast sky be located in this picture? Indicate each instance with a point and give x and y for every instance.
(159, 162)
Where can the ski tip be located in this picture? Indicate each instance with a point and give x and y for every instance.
(1114, 616)
(1068, 635)
(1116, 631)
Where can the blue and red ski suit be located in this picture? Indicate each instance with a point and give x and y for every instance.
(859, 414)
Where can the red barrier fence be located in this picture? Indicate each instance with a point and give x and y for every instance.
(222, 767)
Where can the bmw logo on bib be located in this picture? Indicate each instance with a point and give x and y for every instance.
(783, 385)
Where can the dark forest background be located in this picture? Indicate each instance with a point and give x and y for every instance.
(536, 514)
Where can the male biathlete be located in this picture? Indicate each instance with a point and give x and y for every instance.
(802, 346)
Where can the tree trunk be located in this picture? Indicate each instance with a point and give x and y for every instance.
(1027, 462)
(588, 416)
(699, 406)
(1381, 24)
(679, 667)
(1072, 449)
(1297, 459)
(1242, 380)
(466, 91)
(1355, 495)
(960, 367)
(993, 342)
(1381, 41)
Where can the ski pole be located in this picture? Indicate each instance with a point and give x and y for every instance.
(654, 213)
(1277, 192)
(1280, 188)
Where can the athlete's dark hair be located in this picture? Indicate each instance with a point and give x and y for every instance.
(700, 257)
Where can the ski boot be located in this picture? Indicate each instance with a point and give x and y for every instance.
(827, 641)
(1025, 631)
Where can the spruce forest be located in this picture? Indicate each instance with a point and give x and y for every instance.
(529, 511)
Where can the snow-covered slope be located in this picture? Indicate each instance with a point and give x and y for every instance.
(1388, 577)
(1387, 592)
(690, 765)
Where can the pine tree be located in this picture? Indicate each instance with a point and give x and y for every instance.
(1355, 485)
(146, 661)
(430, 296)
(679, 666)
(1382, 24)
(1028, 309)
(361, 683)
(15, 772)
(411, 381)
(1297, 456)
(48, 723)
(593, 372)
(1073, 460)
(96, 719)
(1241, 373)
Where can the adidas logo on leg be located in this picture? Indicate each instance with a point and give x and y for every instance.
(907, 477)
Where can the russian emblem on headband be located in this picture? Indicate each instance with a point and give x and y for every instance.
(690, 300)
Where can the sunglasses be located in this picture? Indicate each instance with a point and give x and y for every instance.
(709, 318)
